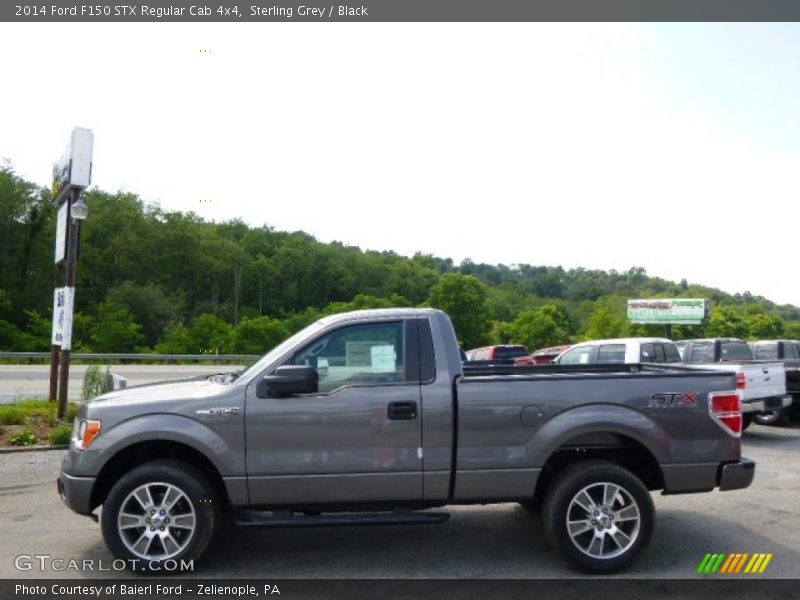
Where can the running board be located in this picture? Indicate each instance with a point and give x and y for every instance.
(257, 519)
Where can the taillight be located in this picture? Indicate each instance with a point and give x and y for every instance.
(741, 381)
(726, 409)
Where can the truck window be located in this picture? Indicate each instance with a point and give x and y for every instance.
(766, 352)
(660, 356)
(702, 353)
(613, 354)
(791, 351)
(671, 353)
(579, 355)
(646, 353)
(367, 354)
(731, 351)
(510, 351)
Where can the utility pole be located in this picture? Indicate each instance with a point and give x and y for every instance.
(69, 287)
(55, 349)
(71, 175)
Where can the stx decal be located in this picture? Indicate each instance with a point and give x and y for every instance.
(671, 400)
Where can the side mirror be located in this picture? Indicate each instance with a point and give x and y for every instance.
(287, 381)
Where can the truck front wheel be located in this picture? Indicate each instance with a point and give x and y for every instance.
(160, 515)
(599, 515)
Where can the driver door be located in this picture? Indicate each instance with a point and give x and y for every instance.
(357, 439)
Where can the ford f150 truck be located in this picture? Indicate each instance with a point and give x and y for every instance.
(761, 384)
(787, 352)
(370, 418)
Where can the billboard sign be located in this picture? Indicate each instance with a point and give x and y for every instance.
(664, 311)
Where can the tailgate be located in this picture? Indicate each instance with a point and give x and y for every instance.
(763, 380)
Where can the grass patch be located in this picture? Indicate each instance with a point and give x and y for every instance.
(26, 437)
(61, 435)
(11, 414)
(34, 421)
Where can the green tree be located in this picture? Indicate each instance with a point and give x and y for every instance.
(501, 332)
(258, 335)
(540, 327)
(149, 305)
(209, 334)
(9, 334)
(114, 330)
(176, 340)
(727, 321)
(762, 326)
(605, 323)
(464, 298)
(792, 330)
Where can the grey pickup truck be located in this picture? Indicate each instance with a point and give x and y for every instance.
(370, 418)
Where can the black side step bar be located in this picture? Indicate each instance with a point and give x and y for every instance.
(281, 520)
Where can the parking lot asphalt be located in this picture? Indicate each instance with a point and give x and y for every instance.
(494, 541)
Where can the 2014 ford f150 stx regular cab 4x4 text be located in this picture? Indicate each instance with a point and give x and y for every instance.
(369, 417)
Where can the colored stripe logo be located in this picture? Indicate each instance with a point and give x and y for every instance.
(738, 562)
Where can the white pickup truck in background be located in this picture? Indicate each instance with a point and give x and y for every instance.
(620, 351)
(761, 384)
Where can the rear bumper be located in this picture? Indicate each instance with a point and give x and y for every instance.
(765, 404)
(736, 475)
(704, 477)
(76, 492)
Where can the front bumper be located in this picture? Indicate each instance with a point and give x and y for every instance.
(766, 404)
(76, 492)
(736, 475)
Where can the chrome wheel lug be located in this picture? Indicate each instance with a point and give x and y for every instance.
(162, 528)
(152, 529)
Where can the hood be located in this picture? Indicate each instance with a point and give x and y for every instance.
(168, 391)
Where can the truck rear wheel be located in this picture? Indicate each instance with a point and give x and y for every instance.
(599, 515)
(159, 514)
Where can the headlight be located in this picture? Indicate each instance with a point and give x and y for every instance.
(84, 432)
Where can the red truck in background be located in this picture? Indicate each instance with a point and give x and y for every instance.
(543, 356)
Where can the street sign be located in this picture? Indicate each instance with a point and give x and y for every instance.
(662, 311)
(61, 232)
(74, 168)
(63, 302)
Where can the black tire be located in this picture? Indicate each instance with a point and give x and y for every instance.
(772, 417)
(197, 504)
(747, 420)
(632, 498)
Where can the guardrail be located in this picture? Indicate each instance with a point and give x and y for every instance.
(215, 358)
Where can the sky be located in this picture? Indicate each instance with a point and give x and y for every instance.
(674, 147)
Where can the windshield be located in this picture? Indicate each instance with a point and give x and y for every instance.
(510, 351)
(736, 351)
(277, 351)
